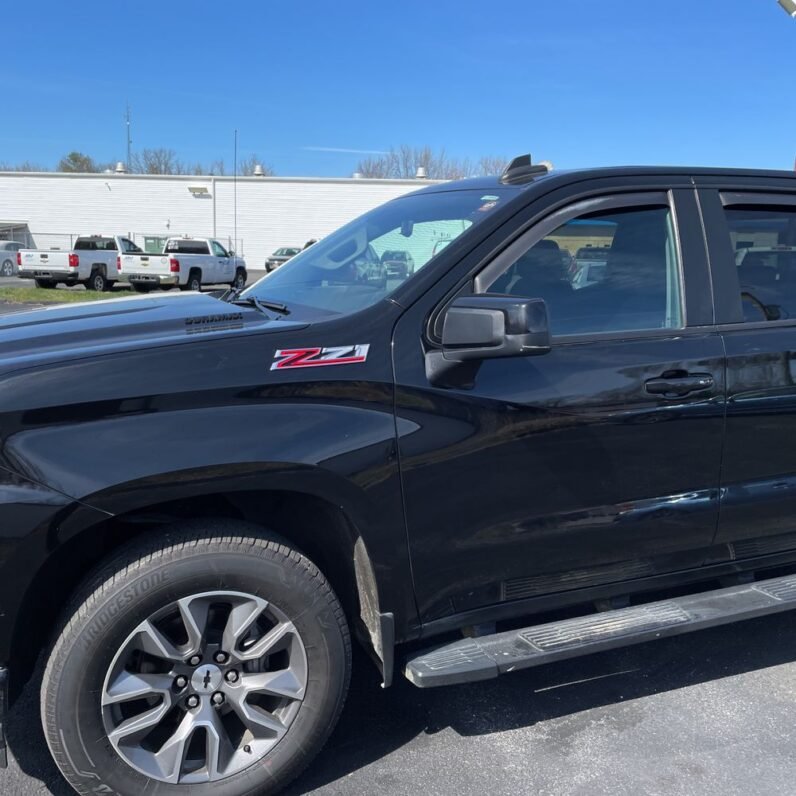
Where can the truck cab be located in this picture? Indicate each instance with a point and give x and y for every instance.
(187, 263)
(91, 262)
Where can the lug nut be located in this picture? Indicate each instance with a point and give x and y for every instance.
(221, 657)
(217, 698)
(192, 701)
(181, 681)
(194, 660)
(231, 676)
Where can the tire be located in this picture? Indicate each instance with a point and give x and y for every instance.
(194, 281)
(272, 588)
(98, 281)
(141, 288)
(239, 282)
(7, 268)
(45, 283)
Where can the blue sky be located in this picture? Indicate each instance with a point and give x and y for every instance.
(701, 82)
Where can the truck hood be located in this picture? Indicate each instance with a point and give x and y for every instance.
(93, 328)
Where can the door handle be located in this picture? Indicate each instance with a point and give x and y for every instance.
(677, 386)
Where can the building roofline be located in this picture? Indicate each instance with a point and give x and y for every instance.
(216, 178)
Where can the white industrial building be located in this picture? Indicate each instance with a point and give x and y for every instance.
(48, 210)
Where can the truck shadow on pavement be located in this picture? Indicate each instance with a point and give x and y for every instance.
(378, 722)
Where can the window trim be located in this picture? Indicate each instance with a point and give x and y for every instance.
(531, 236)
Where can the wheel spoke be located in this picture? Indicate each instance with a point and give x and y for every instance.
(259, 722)
(133, 729)
(219, 747)
(264, 645)
(193, 612)
(151, 640)
(129, 686)
(171, 756)
(241, 618)
(282, 683)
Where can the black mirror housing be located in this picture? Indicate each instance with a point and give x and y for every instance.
(487, 326)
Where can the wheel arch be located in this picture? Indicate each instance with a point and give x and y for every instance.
(297, 514)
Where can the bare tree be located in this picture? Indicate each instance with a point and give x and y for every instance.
(156, 161)
(25, 165)
(246, 166)
(403, 163)
(491, 164)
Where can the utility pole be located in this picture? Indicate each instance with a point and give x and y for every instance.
(235, 192)
(129, 138)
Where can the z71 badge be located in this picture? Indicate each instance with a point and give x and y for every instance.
(285, 358)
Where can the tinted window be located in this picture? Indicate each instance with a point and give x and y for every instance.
(764, 241)
(187, 247)
(633, 283)
(218, 249)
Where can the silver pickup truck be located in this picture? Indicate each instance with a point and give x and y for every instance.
(187, 263)
(92, 262)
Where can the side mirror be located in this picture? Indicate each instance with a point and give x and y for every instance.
(486, 327)
(482, 327)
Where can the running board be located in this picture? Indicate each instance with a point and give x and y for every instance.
(486, 657)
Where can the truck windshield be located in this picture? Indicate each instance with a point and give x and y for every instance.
(345, 272)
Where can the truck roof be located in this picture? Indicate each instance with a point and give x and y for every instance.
(564, 176)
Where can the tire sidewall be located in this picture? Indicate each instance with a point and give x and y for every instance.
(98, 282)
(7, 268)
(73, 699)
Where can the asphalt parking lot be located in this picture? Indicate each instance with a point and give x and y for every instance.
(710, 713)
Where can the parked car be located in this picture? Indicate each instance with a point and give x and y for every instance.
(187, 263)
(280, 257)
(8, 257)
(91, 262)
(399, 264)
(203, 497)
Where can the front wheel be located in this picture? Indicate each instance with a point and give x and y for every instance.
(7, 268)
(214, 659)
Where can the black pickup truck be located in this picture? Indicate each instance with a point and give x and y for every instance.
(486, 465)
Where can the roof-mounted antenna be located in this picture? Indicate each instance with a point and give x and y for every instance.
(522, 170)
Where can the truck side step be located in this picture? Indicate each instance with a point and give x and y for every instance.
(485, 657)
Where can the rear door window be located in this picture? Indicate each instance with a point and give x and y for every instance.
(763, 240)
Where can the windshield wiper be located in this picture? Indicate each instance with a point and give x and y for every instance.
(264, 305)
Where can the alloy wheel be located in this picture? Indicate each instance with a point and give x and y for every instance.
(205, 687)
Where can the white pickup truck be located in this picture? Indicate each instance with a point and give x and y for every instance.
(187, 263)
(92, 262)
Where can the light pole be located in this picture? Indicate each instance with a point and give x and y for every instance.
(789, 6)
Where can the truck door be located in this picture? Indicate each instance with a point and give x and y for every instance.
(222, 263)
(595, 463)
(752, 235)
